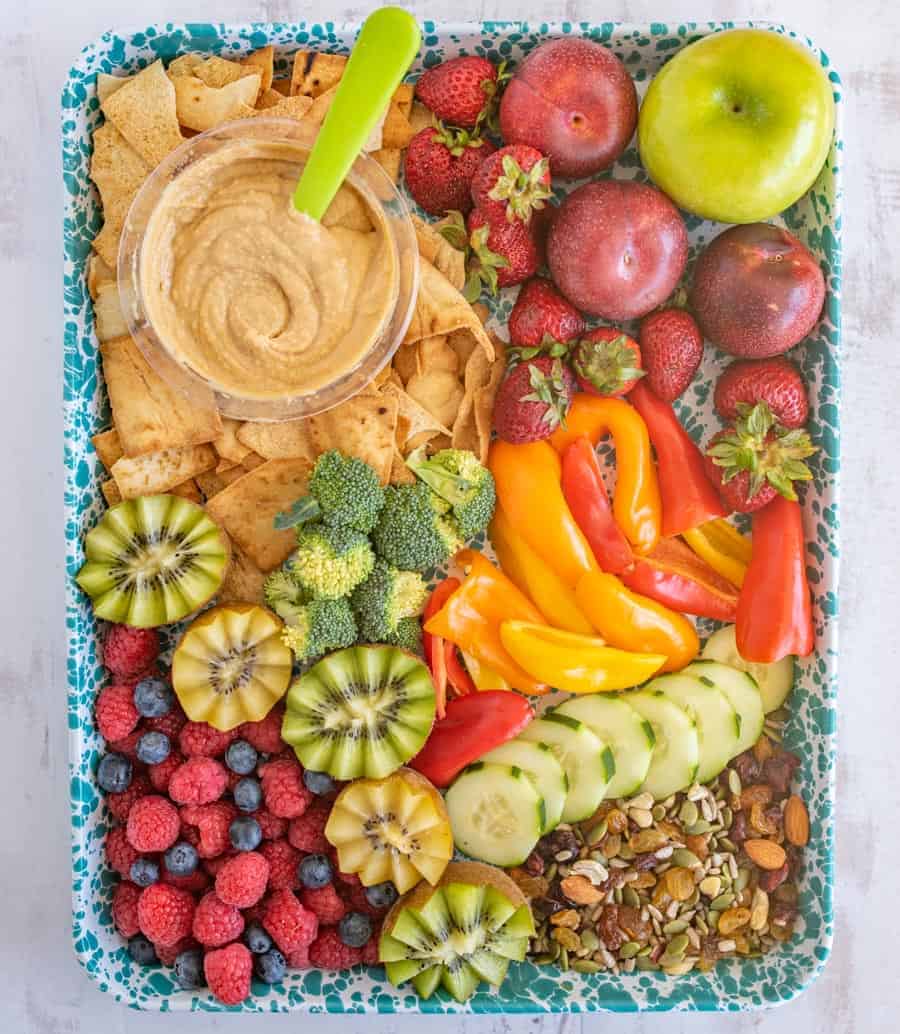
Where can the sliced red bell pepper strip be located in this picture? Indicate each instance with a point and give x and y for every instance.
(459, 680)
(474, 724)
(774, 614)
(674, 575)
(433, 646)
(582, 485)
(688, 496)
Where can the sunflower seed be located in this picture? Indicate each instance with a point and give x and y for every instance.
(643, 801)
(734, 782)
(696, 792)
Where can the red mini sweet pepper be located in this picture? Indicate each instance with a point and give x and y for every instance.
(582, 485)
(774, 614)
(434, 646)
(688, 496)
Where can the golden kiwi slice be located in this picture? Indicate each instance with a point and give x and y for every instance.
(231, 665)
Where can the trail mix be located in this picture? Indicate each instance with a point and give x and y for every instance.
(678, 885)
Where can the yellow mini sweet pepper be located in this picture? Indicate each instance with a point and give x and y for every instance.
(575, 663)
(723, 547)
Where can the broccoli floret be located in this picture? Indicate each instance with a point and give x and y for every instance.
(408, 635)
(415, 531)
(460, 479)
(385, 598)
(318, 627)
(330, 562)
(344, 491)
(284, 595)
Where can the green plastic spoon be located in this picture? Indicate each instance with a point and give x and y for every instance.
(387, 44)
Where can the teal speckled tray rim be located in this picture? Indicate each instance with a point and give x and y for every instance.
(84, 411)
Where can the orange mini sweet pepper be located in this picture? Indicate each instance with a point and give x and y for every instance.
(636, 623)
(529, 489)
(472, 615)
(636, 501)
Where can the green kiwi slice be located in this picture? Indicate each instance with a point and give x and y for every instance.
(458, 934)
(360, 712)
(153, 560)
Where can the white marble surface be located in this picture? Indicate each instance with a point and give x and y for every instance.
(46, 992)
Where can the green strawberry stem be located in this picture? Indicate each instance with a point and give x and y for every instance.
(550, 389)
(607, 365)
(522, 191)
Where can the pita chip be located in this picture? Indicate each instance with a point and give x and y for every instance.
(363, 426)
(247, 508)
(161, 471)
(289, 439)
(434, 247)
(203, 107)
(144, 111)
(314, 74)
(417, 420)
(440, 309)
(227, 444)
(108, 84)
(286, 107)
(111, 492)
(210, 482)
(262, 61)
(108, 447)
(243, 580)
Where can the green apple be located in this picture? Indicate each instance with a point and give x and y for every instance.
(737, 126)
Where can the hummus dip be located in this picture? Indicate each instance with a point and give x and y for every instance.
(260, 300)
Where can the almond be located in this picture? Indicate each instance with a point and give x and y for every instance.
(796, 821)
(765, 853)
(580, 890)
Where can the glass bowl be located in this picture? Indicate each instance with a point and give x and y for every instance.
(378, 192)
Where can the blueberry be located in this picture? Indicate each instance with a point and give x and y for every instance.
(381, 895)
(314, 871)
(189, 969)
(143, 872)
(182, 859)
(256, 939)
(318, 783)
(355, 929)
(153, 747)
(244, 833)
(153, 697)
(241, 757)
(141, 950)
(114, 773)
(248, 794)
(270, 968)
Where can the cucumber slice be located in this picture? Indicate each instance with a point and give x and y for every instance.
(676, 753)
(774, 680)
(586, 759)
(539, 763)
(630, 737)
(743, 695)
(496, 813)
(718, 723)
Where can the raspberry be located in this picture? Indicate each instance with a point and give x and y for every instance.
(115, 713)
(153, 824)
(124, 908)
(299, 958)
(199, 780)
(290, 924)
(328, 951)
(242, 880)
(271, 826)
(119, 853)
(283, 861)
(128, 652)
(358, 902)
(307, 833)
(265, 735)
(370, 951)
(212, 821)
(196, 882)
(120, 804)
(167, 954)
(255, 913)
(325, 902)
(214, 865)
(161, 774)
(349, 878)
(199, 738)
(227, 972)
(171, 724)
(283, 789)
(165, 913)
(128, 744)
(216, 923)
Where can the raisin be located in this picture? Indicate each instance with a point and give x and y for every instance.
(534, 864)
(557, 842)
(746, 766)
(772, 878)
(738, 832)
(777, 771)
(608, 928)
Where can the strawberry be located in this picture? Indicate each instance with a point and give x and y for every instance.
(533, 400)
(439, 166)
(672, 346)
(542, 317)
(504, 253)
(776, 381)
(512, 183)
(607, 361)
(460, 90)
(757, 458)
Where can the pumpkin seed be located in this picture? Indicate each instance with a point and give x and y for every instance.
(627, 852)
(563, 959)
(641, 817)
(598, 832)
(586, 966)
(677, 945)
(550, 871)
(629, 949)
(697, 828)
(590, 940)
(722, 902)
(727, 843)
(701, 925)
(658, 812)
(645, 950)
(682, 856)
(644, 963)
(688, 813)
(675, 926)
(617, 895)
(680, 968)
(643, 801)
(727, 818)
(631, 897)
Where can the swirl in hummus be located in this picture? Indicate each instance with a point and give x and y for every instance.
(257, 298)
